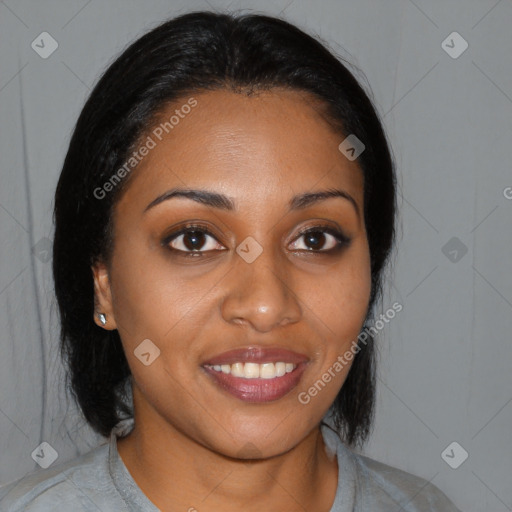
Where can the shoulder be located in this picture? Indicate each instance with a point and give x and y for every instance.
(75, 483)
(381, 483)
(368, 484)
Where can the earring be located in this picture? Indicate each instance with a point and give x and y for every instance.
(103, 318)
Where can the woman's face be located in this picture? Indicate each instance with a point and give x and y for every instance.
(243, 276)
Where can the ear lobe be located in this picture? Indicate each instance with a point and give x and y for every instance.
(103, 296)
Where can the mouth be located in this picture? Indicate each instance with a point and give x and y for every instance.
(256, 374)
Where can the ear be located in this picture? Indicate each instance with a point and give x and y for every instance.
(103, 296)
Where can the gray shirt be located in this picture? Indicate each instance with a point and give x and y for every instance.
(98, 481)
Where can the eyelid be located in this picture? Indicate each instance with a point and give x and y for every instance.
(342, 239)
(183, 227)
(323, 226)
(188, 227)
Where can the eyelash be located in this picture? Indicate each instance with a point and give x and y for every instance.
(341, 239)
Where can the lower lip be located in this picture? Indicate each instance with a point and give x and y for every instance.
(257, 390)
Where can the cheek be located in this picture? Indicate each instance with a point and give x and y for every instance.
(161, 315)
(171, 308)
(149, 296)
(338, 311)
(340, 299)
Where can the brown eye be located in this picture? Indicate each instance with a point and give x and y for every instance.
(192, 240)
(315, 240)
(320, 240)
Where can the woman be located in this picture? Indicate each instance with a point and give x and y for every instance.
(222, 221)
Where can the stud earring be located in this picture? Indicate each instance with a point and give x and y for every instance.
(103, 318)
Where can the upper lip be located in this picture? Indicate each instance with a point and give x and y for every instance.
(257, 355)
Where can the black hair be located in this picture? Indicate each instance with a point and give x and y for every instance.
(196, 52)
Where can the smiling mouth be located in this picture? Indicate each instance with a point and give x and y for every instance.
(255, 373)
(268, 385)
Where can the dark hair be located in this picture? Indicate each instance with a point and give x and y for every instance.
(197, 52)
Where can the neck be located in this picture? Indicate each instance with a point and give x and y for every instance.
(177, 473)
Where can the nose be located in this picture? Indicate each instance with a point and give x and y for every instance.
(260, 294)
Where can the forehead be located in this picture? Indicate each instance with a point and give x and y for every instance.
(266, 146)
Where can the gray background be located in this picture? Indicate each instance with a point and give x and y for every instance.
(445, 359)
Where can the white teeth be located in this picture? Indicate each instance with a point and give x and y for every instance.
(237, 370)
(280, 369)
(255, 370)
(268, 371)
(251, 370)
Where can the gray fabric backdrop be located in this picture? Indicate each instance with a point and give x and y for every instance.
(445, 359)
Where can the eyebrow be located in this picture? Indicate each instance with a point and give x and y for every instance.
(222, 202)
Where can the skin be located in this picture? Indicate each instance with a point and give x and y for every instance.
(194, 446)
